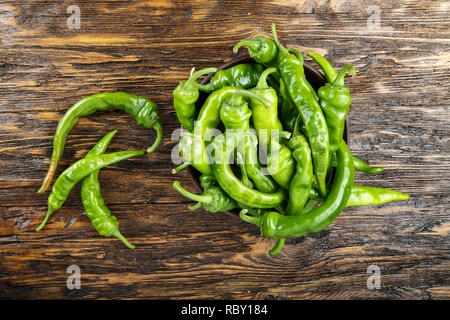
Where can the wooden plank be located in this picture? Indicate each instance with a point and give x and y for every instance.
(399, 120)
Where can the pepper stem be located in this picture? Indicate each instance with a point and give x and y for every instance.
(277, 248)
(262, 82)
(247, 94)
(251, 44)
(339, 81)
(49, 213)
(327, 67)
(255, 220)
(195, 206)
(204, 198)
(191, 82)
(275, 38)
(116, 233)
(296, 53)
(180, 167)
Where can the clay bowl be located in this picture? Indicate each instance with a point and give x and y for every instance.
(314, 77)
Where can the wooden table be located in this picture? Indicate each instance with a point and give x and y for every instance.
(399, 121)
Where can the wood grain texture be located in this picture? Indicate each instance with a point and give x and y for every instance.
(399, 120)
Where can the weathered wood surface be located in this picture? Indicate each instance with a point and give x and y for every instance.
(399, 120)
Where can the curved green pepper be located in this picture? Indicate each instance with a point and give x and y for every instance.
(235, 116)
(277, 226)
(288, 109)
(101, 218)
(301, 182)
(293, 76)
(232, 185)
(192, 148)
(360, 165)
(243, 75)
(265, 119)
(213, 199)
(77, 171)
(186, 95)
(209, 115)
(365, 196)
(280, 164)
(260, 48)
(335, 101)
(142, 109)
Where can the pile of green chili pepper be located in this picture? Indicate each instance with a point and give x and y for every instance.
(87, 169)
(281, 160)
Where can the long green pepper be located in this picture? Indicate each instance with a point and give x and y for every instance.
(243, 75)
(186, 95)
(101, 218)
(76, 172)
(142, 109)
(232, 185)
(277, 226)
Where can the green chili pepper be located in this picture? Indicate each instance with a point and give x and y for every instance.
(360, 165)
(209, 115)
(142, 109)
(280, 164)
(326, 66)
(293, 76)
(77, 171)
(301, 182)
(214, 199)
(288, 109)
(265, 119)
(277, 226)
(235, 116)
(186, 95)
(232, 185)
(261, 49)
(191, 145)
(301, 92)
(192, 148)
(244, 75)
(246, 181)
(103, 221)
(335, 101)
(364, 196)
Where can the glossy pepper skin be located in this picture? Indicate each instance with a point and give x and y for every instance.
(186, 95)
(260, 48)
(293, 76)
(360, 165)
(288, 109)
(208, 117)
(301, 92)
(277, 226)
(77, 171)
(142, 109)
(101, 218)
(213, 199)
(232, 185)
(335, 101)
(235, 115)
(192, 148)
(248, 146)
(300, 185)
(364, 196)
(244, 75)
(265, 119)
(280, 164)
